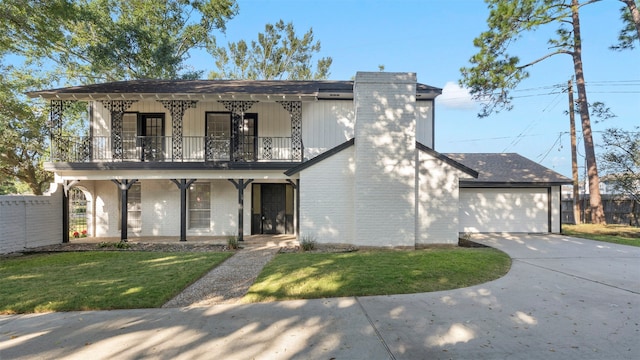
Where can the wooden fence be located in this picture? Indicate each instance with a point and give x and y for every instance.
(617, 210)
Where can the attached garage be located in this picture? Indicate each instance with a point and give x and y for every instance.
(510, 194)
(504, 210)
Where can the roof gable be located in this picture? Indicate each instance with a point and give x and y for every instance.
(296, 169)
(446, 159)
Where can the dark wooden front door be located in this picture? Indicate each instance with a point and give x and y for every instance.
(273, 209)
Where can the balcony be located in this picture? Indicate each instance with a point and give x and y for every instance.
(107, 149)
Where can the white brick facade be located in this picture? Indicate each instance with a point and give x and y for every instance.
(385, 146)
(327, 201)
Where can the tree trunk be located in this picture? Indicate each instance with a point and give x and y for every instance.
(595, 201)
(574, 156)
(635, 13)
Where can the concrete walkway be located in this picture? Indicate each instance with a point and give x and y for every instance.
(228, 282)
(564, 298)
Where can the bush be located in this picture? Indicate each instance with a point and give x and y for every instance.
(308, 242)
(117, 245)
(232, 242)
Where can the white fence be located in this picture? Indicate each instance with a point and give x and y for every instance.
(28, 221)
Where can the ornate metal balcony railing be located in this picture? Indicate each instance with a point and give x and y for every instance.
(163, 149)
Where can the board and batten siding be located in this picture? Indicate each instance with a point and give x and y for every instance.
(273, 119)
(326, 202)
(506, 209)
(325, 125)
(424, 123)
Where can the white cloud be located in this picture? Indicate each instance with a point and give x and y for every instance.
(455, 97)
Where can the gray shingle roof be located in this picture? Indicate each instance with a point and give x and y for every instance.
(497, 169)
(165, 88)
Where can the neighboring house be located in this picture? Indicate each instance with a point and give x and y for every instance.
(348, 162)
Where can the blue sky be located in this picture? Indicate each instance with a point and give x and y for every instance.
(434, 38)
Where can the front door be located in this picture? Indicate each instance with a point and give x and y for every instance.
(273, 209)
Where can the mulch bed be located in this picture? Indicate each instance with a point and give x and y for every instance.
(177, 247)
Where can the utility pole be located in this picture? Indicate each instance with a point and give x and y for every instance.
(574, 155)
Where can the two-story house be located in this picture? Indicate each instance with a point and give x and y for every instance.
(349, 162)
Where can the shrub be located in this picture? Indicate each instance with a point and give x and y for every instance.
(232, 242)
(117, 245)
(308, 242)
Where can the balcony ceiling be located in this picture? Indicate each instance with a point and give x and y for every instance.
(212, 90)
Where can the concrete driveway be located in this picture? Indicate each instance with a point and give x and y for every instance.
(564, 298)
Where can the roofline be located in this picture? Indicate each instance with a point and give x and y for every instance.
(304, 90)
(510, 184)
(296, 169)
(447, 160)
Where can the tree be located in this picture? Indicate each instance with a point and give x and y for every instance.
(630, 33)
(277, 54)
(494, 73)
(82, 41)
(23, 138)
(98, 40)
(621, 161)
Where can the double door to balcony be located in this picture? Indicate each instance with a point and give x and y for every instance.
(143, 136)
(227, 139)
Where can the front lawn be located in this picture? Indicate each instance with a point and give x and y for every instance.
(617, 234)
(98, 280)
(380, 272)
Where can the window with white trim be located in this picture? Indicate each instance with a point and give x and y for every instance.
(199, 206)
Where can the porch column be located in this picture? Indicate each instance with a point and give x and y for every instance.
(295, 110)
(296, 187)
(241, 185)
(59, 150)
(183, 185)
(237, 108)
(124, 187)
(117, 109)
(177, 109)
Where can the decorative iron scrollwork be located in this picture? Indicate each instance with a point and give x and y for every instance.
(295, 110)
(117, 109)
(177, 109)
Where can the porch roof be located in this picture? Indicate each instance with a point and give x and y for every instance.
(265, 90)
(507, 169)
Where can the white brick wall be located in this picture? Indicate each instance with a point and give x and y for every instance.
(384, 188)
(326, 203)
(438, 196)
(30, 221)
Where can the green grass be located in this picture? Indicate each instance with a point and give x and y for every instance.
(319, 275)
(98, 280)
(617, 234)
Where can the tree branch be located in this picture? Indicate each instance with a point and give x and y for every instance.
(567, 52)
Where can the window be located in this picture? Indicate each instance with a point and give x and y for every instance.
(134, 208)
(199, 206)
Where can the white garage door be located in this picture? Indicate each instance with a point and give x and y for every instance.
(504, 210)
